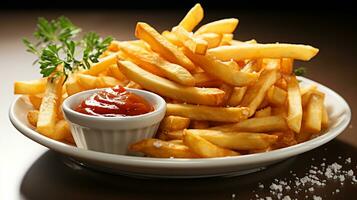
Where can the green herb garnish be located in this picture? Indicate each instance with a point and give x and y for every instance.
(301, 71)
(56, 45)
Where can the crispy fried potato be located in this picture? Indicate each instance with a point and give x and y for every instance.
(196, 45)
(235, 140)
(213, 39)
(73, 86)
(287, 65)
(102, 65)
(204, 148)
(226, 39)
(162, 149)
(62, 130)
(252, 51)
(255, 94)
(30, 87)
(236, 96)
(174, 123)
(164, 87)
(36, 100)
(220, 26)
(198, 112)
(199, 124)
(285, 139)
(48, 111)
(172, 38)
(153, 63)
(202, 79)
(91, 82)
(192, 18)
(220, 70)
(265, 112)
(114, 72)
(174, 135)
(32, 117)
(258, 124)
(313, 113)
(294, 117)
(238, 43)
(276, 96)
(162, 46)
(325, 118)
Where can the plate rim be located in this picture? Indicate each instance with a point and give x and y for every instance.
(274, 155)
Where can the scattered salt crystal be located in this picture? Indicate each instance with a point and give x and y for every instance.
(268, 198)
(286, 198)
(312, 159)
(311, 189)
(342, 178)
(348, 160)
(157, 144)
(339, 157)
(233, 195)
(287, 188)
(337, 190)
(261, 186)
(316, 197)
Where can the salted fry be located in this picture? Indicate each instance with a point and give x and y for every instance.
(162, 46)
(276, 96)
(221, 26)
(32, 117)
(221, 71)
(192, 18)
(212, 39)
(204, 148)
(162, 149)
(62, 130)
(153, 63)
(30, 87)
(252, 51)
(204, 96)
(198, 112)
(236, 96)
(235, 140)
(36, 101)
(257, 124)
(48, 111)
(265, 112)
(73, 86)
(196, 45)
(313, 113)
(294, 117)
(255, 94)
(174, 123)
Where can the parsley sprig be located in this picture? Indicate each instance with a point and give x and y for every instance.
(56, 45)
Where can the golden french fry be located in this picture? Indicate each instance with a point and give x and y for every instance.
(30, 87)
(325, 118)
(91, 82)
(220, 26)
(235, 140)
(48, 111)
(280, 111)
(177, 142)
(307, 89)
(161, 45)
(228, 89)
(36, 100)
(108, 81)
(197, 124)
(199, 112)
(287, 65)
(73, 86)
(62, 130)
(114, 72)
(174, 135)
(32, 117)
(226, 39)
(276, 96)
(196, 45)
(202, 79)
(236, 96)
(252, 51)
(164, 87)
(294, 117)
(265, 112)
(134, 85)
(255, 94)
(162, 149)
(285, 139)
(174, 123)
(258, 124)
(313, 113)
(192, 18)
(172, 38)
(238, 43)
(153, 63)
(220, 70)
(102, 65)
(212, 39)
(204, 148)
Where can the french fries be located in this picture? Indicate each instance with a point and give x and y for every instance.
(162, 46)
(224, 97)
(204, 96)
(221, 26)
(252, 51)
(30, 87)
(162, 149)
(192, 18)
(235, 140)
(204, 148)
(222, 71)
(197, 112)
(157, 65)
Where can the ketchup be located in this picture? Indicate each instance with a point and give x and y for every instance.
(114, 102)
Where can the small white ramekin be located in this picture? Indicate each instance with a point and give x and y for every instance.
(112, 134)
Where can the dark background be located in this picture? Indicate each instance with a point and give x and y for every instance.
(316, 5)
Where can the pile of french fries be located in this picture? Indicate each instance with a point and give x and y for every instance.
(224, 97)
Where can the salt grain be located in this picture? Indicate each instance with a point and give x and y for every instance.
(316, 198)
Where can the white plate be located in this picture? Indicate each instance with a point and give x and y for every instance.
(338, 109)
